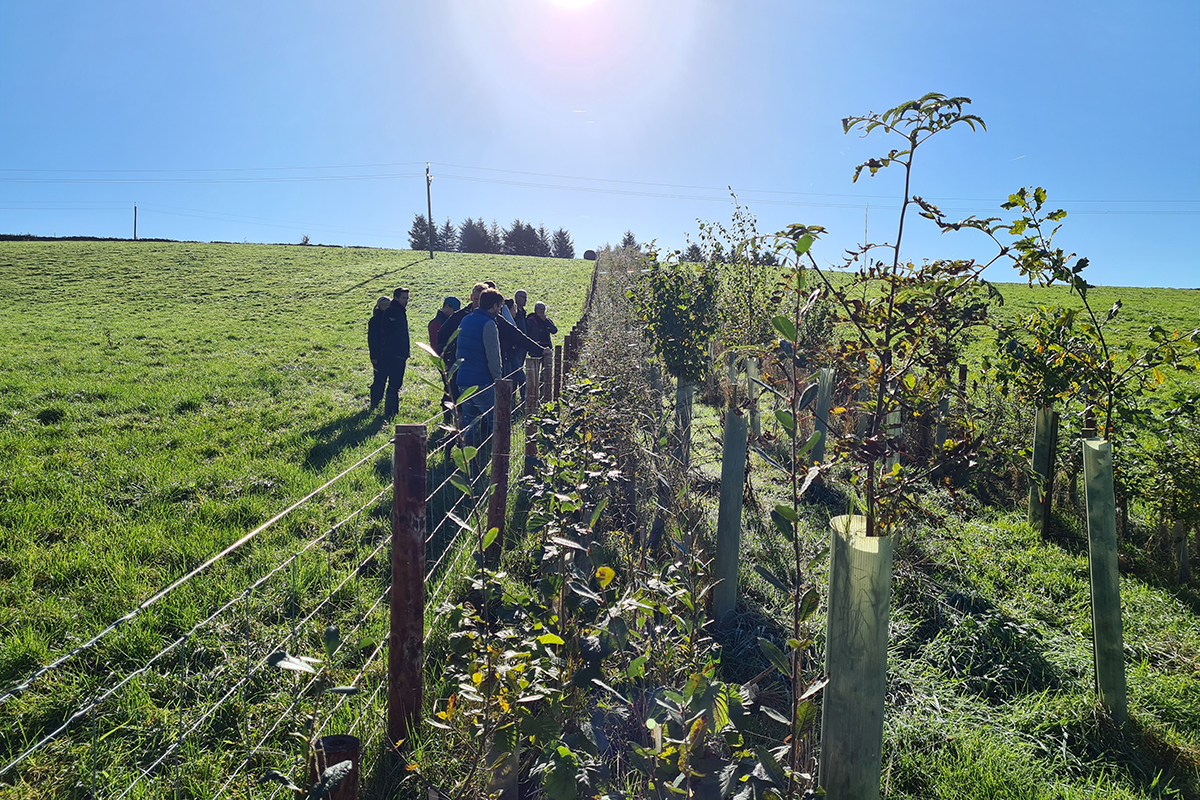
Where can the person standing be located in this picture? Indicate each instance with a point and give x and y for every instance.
(375, 350)
(479, 363)
(449, 306)
(395, 349)
(520, 298)
(540, 326)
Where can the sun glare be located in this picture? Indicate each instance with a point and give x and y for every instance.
(572, 3)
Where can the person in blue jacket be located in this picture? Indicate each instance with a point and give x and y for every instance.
(480, 365)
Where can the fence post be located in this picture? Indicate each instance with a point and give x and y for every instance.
(532, 393)
(1107, 632)
(558, 368)
(729, 513)
(821, 418)
(548, 378)
(753, 389)
(501, 454)
(406, 650)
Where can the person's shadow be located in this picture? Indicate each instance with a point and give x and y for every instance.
(337, 435)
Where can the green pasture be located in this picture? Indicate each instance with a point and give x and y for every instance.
(160, 400)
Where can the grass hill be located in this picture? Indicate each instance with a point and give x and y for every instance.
(159, 399)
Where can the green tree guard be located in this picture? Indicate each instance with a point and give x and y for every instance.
(856, 639)
(729, 514)
(1041, 480)
(821, 422)
(1106, 592)
(753, 389)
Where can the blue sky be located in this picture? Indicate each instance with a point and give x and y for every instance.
(266, 121)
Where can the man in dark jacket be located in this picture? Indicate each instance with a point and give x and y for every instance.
(449, 306)
(375, 349)
(395, 349)
(519, 314)
(540, 326)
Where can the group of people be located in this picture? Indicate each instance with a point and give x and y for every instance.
(494, 337)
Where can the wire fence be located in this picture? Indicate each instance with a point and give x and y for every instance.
(177, 697)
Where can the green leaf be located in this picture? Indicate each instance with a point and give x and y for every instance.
(637, 667)
(786, 328)
(783, 525)
(567, 543)
(803, 244)
(584, 592)
(771, 764)
(596, 514)
(786, 420)
(550, 638)
(809, 393)
(490, 537)
(331, 639)
(770, 578)
(788, 513)
(775, 656)
(460, 483)
(460, 522)
(809, 604)
(803, 449)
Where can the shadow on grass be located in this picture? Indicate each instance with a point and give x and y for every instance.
(337, 435)
(381, 275)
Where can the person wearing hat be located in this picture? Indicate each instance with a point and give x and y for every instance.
(395, 349)
(449, 306)
(375, 349)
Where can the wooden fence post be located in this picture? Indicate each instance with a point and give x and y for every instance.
(548, 377)
(532, 393)
(501, 455)
(1107, 631)
(729, 513)
(558, 368)
(406, 650)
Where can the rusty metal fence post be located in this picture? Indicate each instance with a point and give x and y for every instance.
(406, 648)
(501, 454)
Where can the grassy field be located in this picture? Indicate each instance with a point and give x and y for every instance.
(159, 400)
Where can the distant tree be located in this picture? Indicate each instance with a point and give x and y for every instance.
(473, 237)
(519, 239)
(495, 238)
(693, 254)
(447, 240)
(543, 241)
(418, 234)
(629, 242)
(562, 246)
(304, 239)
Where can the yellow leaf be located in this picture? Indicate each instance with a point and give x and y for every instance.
(477, 678)
(605, 575)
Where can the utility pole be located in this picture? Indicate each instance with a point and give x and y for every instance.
(429, 207)
(135, 222)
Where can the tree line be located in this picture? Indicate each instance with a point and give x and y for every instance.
(476, 236)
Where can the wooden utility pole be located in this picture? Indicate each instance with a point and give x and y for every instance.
(429, 207)
(135, 222)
